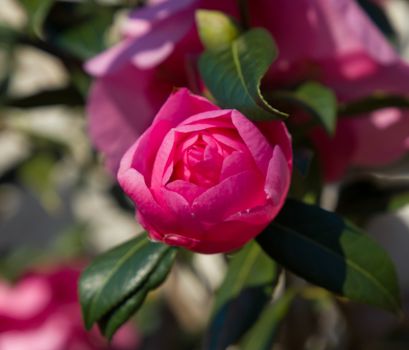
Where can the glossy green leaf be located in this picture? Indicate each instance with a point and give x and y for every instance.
(316, 99)
(233, 74)
(264, 332)
(216, 29)
(324, 249)
(247, 287)
(37, 11)
(117, 274)
(110, 323)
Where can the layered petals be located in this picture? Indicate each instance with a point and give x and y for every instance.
(204, 178)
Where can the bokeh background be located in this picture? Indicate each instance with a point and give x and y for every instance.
(58, 204)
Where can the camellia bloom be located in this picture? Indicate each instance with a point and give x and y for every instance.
(205, 178)
(159, 51)
(334, 42)
(331, 41)
(41, 312)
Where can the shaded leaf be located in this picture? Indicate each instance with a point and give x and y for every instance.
(246, 288)
(324, 249)
(79, 28)
(233, 74)
(316, 99)
(264, 332)
(110, 323)
(115, 275)
(37, 11)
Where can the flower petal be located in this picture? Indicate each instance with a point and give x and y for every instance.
(259, 147)
(121, 108)
(278, 178)
(236, 193)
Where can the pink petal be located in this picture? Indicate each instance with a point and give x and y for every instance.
(276, 132)
(231, 195)
(259, 147)
(178, 107)
(133, 184)
(229, 138)
(213, 118)
(24, 300)
(278, 178)
(186, 223)
(121, 108)
(392, 78)
(260, 215)
(53, 334)
(187, 189)
(227, 236)
(148, 50)
(143, 20)
(335, 153)
(382, 137)
(321, 29)
(164, 161)
(235, 163)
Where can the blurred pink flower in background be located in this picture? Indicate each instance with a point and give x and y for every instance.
(331, 41)
(209, 179)
(334, 42)
(158, 52)
(41, 312)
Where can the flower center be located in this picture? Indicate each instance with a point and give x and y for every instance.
(199, 160)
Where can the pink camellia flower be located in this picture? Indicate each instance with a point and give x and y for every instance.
(334, 42)
(205, 178)
(331, 41)
(41, 312)
(159, 51)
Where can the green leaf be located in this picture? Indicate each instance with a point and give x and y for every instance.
(264, 332)
(110, 323)
(118, 274)
(37, 11)
(233, 74)
(399, 201)
(216, 29)
(316, 99)
(80, 29)
(86, 39)
(324, 249)
(247, 287)
(322, 103)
